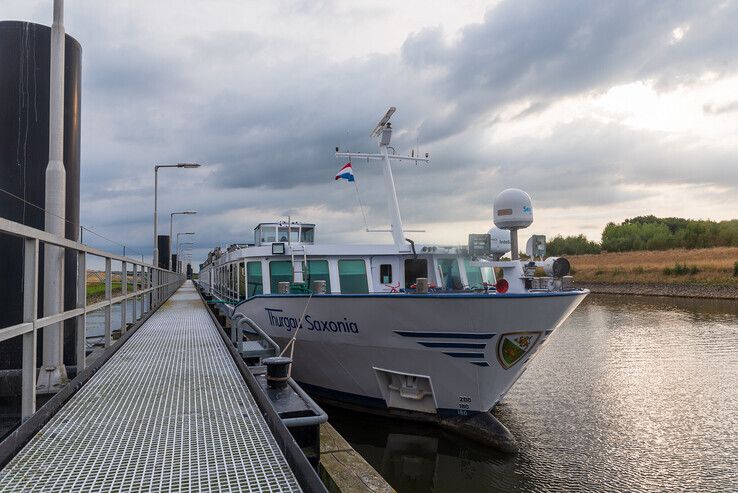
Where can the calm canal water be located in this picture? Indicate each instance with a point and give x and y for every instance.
(630, 394)
(95, 325)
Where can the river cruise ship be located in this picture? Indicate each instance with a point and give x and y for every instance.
(419, 330)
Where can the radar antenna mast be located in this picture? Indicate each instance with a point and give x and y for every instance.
(383, 131)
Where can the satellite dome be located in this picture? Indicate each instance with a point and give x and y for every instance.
(513, 209)
(499, 241)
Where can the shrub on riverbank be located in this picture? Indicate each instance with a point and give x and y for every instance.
(681, 270)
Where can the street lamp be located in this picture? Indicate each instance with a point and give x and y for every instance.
(171, 223)
(155, 260)
(178, 235)
(183, 244)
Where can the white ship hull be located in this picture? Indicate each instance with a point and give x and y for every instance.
(436, 354)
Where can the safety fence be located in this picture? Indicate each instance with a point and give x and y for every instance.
(136, 285)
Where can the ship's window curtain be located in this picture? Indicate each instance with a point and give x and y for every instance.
(279, 271)
(241, 281)
(254, 279)
(317, 270)
(352, 274)
(450, 273)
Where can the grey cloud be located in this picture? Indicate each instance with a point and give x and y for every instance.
(266, 117)
(543, 50)
(719, 109)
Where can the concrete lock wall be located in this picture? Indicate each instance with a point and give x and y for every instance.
(24, 153)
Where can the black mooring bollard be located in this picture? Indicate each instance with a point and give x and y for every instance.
(277, 371)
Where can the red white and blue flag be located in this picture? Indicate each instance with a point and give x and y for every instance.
(347, 173)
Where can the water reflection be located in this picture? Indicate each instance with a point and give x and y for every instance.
(631, 394)
(95, 321)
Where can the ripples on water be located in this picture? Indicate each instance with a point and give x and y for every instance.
(630, 394)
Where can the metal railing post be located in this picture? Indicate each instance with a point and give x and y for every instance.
(81, 303)
(109, 306)
(144, 286)
(134, 300)
(123, 292)
(158, 287)
(30, 310)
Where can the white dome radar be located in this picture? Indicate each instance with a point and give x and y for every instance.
(513, 209)
(499, 241)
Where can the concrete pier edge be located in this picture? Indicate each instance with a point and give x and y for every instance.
(344, 470)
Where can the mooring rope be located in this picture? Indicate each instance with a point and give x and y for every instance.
(291, 343)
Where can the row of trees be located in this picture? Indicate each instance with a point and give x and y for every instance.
(571, 245)
(650, 233)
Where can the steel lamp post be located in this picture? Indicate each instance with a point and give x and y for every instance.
(155, 260)
(178, 235)
(171, 225)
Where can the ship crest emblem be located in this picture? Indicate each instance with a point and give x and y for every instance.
(513, 346)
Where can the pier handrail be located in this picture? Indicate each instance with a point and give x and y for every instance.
(148, 281)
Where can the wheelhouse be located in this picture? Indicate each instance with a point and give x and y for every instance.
(282, 232)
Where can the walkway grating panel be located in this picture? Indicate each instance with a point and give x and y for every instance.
(168, 412)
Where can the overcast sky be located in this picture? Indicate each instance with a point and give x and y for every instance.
(600, 110)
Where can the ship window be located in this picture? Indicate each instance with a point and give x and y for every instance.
(254, 279)
(488, 275)
(415, 268)
(279, 271)
(474, 275)
(230, 284)
(241, 281)
(450, 275)
(385, 273)
(295, 235)
(307, 235)
(352, 274)
(282, 234)
(477, 276)
(268, 234)
(317, 270)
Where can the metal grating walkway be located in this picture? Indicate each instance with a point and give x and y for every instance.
(168, 412)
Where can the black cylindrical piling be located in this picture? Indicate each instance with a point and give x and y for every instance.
(164, 251)
(24, 155)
